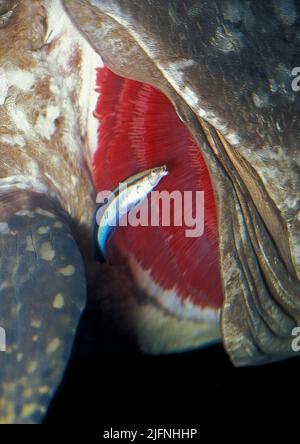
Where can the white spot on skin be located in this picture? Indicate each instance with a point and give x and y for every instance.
(74, 180)
(43, 230)
(230, 136)
(28, 393)
(58, 225)
(4, 228)
(58, 302)
(45, 213)
(89, 98)
(53, 346)
(4, 286)
(233, 139)
(28, 410)
(67, 271)
(29, 244)
(4, 19)
(22, 182)
(32, 169)
(273, 86)
(15, 140)
(54, 182)
(202, 113)
(36, 323)
(45, 125)
(32, 366)
(191, 96)
(3, 86)
(25, 213)
(22, 80)
(19, 118)
(44, 390)
(261, 100)
(226, 40)
(176, 71)
(46, 252)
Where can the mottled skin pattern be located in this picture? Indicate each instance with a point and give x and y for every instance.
(42, 294)
(44, 183)
(226, 66)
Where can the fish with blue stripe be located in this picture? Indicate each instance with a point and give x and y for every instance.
(123, 199)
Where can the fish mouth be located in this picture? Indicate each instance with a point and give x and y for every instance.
(177, 274)
(251, 155)
(175, 297)
(181, 285)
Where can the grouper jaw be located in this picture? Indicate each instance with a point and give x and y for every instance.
(230, 81)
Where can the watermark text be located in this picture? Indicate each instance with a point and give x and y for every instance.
(296, 80)
(162, 208)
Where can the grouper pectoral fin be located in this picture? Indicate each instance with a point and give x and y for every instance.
(42, 295)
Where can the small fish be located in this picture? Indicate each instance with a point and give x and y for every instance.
(126, 197)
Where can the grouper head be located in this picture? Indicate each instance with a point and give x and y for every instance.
(227, 68)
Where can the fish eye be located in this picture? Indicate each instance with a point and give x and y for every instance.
(104, 202)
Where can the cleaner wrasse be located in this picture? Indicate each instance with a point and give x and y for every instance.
(126, 197)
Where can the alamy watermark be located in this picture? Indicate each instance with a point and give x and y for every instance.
(296, 80)
(2, 340)
(163, 208)
(296, 341)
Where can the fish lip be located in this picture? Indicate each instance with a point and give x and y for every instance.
(165, 171)
(251, 334)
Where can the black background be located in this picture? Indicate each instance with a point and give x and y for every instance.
(104, 388)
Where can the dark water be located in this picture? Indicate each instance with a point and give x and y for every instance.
(112, 385)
